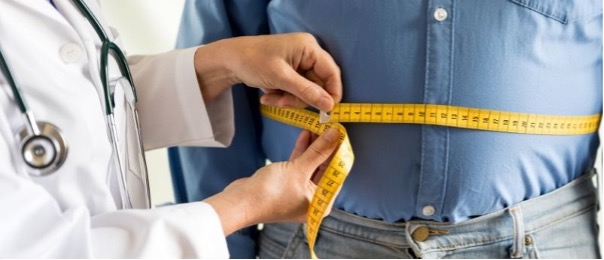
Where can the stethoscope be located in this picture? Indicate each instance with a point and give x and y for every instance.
(44, 149)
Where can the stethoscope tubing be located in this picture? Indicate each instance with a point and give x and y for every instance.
(19, 99)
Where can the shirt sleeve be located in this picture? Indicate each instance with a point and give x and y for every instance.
(171, 107)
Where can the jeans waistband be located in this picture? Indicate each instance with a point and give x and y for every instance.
(529, 216)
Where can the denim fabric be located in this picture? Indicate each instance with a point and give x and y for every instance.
(561, 224)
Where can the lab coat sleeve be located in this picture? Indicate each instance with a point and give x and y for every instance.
(171, 107)
(189, 230)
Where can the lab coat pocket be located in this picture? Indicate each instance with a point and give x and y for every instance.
(130, 151)
(564, 11)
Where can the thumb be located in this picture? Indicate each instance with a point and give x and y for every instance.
(318, 152)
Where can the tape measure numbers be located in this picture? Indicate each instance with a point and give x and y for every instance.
(463, 117)
(428, 114)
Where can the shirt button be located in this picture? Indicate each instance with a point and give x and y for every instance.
(71, 53)
(428, 210)
(440, 14)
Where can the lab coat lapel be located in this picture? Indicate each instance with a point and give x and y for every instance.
(41, 8)
(88, 37)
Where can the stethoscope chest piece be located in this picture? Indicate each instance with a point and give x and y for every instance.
(45, 152)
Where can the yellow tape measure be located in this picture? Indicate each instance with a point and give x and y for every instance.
(463, 117)
(335, 174)
(428, 114)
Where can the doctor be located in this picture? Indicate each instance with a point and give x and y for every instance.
(68, 157)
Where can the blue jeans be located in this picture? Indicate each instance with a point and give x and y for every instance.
(561, 224)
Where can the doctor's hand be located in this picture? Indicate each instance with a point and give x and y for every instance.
(292, 69)
(279, 192)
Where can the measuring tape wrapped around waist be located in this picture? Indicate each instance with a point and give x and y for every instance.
(426, 114)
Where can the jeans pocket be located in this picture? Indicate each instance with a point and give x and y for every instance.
(572, 237)
(564, 11)
(281, 240)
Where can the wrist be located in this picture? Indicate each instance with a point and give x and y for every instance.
(235, 210)
(212, 70)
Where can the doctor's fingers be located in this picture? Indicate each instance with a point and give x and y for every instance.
(285, 78)
(284, 99)
(319, 67)
(306, 71)
(316, 154)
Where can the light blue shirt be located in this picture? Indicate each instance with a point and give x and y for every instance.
(529, 56)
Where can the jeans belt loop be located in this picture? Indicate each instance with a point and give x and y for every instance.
(518, 247)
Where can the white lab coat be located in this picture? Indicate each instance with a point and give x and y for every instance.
(72, 213)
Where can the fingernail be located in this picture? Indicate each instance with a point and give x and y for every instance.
(331, 135)
(326, 104)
